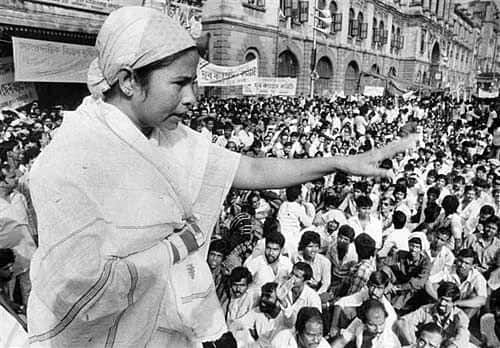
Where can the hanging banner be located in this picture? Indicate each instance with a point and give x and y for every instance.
(215, 75)
(48, 61)
(272, 86)
(487, 94)
(13, 94)
(102, 6)
(373, 91)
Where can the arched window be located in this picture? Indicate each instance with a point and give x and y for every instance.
(360, 25)
(250, 55)
(352, 24)
(399, 39)
(325, 73)
(393, 38)
(375, 34)
(381, 30)
(333, 7)
(288, 65)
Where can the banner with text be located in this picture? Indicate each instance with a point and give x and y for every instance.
(102, 6)
(48, 61)
(13, 94)
(373, 91)
(487, 94)
(215, 75)
(272, 86)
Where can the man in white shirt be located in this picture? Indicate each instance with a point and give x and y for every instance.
(364, 222)
(308, 252)
(259, 327)
(272, 266)
(300, 295)
(345, 308)
(293, 216)
(307, 334)
(442, 258)
(398, 235)
(472, 284)
(370, 329)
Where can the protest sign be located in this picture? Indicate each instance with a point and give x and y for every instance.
(373, 91)
(215, 75)
(13, 94)
(271, 86)
(48, 61)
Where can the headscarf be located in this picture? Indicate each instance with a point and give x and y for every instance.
(133, 37)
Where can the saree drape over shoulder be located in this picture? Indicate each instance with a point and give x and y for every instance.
(108, 200)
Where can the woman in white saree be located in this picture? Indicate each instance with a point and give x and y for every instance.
(126, 198)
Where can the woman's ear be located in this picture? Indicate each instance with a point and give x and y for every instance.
(127, 83)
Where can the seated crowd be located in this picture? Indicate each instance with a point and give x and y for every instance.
(410, 260)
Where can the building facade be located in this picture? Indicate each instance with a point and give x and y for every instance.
(423, 43)
(426, 43)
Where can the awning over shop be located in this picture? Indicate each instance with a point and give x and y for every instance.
(48, 61)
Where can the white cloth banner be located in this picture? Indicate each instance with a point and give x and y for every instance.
(272, 86)
(215, 75)
(13, 94)
(48, 61)
(487, 94)
(373, 91)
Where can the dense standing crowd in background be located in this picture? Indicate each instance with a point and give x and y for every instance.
(408, 260)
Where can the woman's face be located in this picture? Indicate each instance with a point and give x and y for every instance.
(169, 95)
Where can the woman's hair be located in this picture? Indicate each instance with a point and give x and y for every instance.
(305, 315)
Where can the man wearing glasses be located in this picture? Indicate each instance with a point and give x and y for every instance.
(471, 283)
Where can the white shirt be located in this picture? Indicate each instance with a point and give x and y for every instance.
(267, 328)
(308, 298)
(357, 299)
(355, 332)
(373, 229)
(322, 270)
(292, 216)
(397, 239)
(474, 285)
(286, 339)
(262, 272)
(442, 263)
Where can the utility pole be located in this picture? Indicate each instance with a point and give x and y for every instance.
(313, 74)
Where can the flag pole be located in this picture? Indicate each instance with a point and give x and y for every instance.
(313, 53)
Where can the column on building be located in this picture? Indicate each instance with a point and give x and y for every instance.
(344, 9)
(370, 14)
(387, 47)
(426, 5)
(440, 9)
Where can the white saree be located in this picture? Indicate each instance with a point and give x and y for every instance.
(107, 201)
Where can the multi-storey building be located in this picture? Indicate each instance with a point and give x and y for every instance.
(420, 42)
(428, 42)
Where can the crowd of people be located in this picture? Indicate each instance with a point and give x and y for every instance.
(412, 259)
